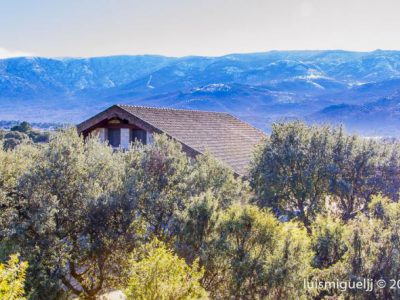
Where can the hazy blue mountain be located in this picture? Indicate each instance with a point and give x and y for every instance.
(359, 89)
(378, 118)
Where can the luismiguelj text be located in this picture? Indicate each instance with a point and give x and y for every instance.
(365, 284)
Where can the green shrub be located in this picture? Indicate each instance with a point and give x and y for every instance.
(12, 279)
(160, 274)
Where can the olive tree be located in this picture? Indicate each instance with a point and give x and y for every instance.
(361, 168)
(290, 170)
(157, 180)
(302, 170)
(258, 257)
(70, 217)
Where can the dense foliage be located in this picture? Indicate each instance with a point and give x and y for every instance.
(156, 273)
(321, 205)
(22, 133)
(12, 279)
(299, 169)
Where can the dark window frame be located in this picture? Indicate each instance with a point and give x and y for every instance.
(114, 137)
(138, 134)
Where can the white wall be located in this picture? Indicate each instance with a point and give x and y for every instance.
(125, 137)
(149, 138)
(103, 134)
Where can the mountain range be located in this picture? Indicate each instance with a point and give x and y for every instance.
(358, 89)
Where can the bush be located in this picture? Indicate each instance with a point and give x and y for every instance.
(14, 138)
(158, 273)
(328, 241)
(12, 279)
(374, 246)
(262, 258)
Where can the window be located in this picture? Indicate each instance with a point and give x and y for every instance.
(114, 137)
(139, 135)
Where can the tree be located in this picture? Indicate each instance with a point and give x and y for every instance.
(365, 248)
(163, 180)
(212, 189)
(301, 171)
(290, 170)
(157, 179)
(70, 218)
(210, 175)
(2, 133)
(361, 168)
(75, 208)
(374, 246)
(198, 237)
(24, 127)
(14, 138)
(328, 241)
(290, 263)
(13, 166)
(39, 136)
(158, 273)
(265, 259)
(12, 279)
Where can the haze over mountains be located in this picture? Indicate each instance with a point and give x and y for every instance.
(361, 90)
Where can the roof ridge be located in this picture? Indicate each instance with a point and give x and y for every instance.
(194, 110)
(175, 109)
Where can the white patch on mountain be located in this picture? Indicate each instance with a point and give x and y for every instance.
(314, 74)
(179, 73)
(214, 87)
(108, 83)
(82, 84)
(232, 70)
(148, 84)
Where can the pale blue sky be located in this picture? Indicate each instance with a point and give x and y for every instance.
(194, 27)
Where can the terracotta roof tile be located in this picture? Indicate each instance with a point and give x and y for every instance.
(227, 138)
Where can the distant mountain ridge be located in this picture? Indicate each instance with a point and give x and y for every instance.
(359, 89)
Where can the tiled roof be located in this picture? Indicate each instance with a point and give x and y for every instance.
(227, 138)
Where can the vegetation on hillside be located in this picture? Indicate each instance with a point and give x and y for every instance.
(22, 133)
(318, 205)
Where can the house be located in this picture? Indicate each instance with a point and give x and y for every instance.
(229, 139)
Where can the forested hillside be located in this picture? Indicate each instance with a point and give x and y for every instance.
(358, 89)
(79, 219)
